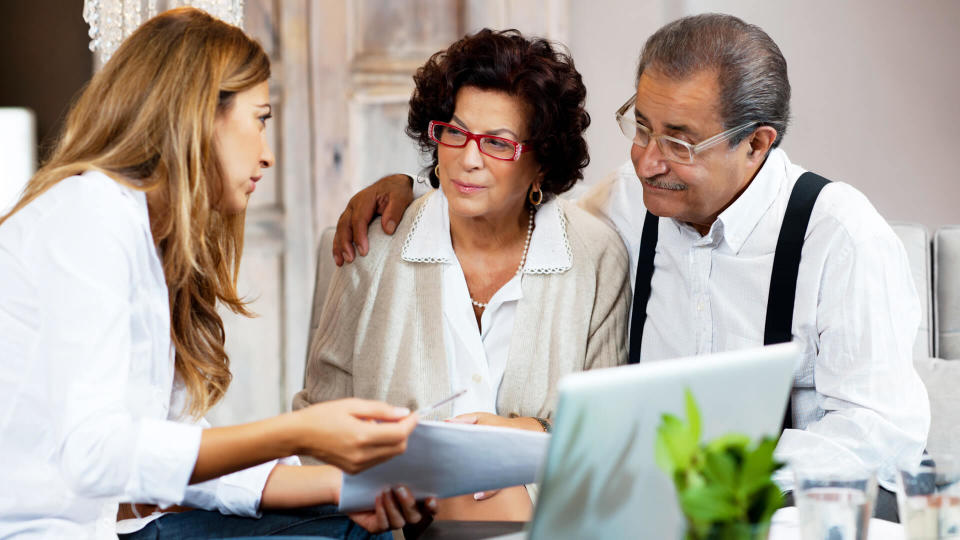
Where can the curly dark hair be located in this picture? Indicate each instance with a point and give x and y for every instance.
(531, 69)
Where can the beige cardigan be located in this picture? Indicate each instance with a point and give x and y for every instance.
(380, 335)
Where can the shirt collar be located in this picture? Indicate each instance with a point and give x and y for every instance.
(740, 218)
(137, 197)
(429, 238)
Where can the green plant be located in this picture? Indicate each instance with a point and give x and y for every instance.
(722, 485)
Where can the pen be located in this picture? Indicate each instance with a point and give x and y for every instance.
(444, 401)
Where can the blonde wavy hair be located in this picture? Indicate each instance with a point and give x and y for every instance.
(147, 121)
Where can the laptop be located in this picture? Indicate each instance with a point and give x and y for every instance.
(600, 479)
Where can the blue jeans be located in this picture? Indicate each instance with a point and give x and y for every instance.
(316, 521)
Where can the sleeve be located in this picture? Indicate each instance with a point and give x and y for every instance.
(607, 343)
(237, 493)
(421, 185)
(596, 200)
(876, 410)
(85, 263)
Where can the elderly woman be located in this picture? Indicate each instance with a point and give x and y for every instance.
(491, 283)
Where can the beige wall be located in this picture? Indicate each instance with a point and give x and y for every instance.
(874, 89)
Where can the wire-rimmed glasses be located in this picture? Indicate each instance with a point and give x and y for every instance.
(673, 149)
(493, 146)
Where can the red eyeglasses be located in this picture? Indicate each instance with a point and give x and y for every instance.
(495, 147)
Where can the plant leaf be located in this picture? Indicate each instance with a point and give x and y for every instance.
(674, 436)
(708, 503)
(723, 482)
(758, 466)
(764, 503)
(693, 415)
(662, 453)
(720, 469)
(729, 440)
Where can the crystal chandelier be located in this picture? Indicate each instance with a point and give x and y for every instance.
(111, 21)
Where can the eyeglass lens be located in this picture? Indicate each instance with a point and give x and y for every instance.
(492, 146)
(670, 149)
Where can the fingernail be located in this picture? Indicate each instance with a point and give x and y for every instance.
(478, 495)
(348, 257)
(432, 505)
(415, 517)
(391, 226)
(401, 411)
(402, 491)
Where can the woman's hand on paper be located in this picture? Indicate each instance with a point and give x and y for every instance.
(482, 418)
(488, 419)
(395, 508)
(353, 434)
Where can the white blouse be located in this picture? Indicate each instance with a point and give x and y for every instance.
(477, 357)
(90, 412)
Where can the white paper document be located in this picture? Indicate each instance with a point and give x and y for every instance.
(444, 459)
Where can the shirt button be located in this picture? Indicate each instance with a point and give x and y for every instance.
(477, 378)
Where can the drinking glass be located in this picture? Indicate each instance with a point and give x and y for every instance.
(834, 504)
(928, 498)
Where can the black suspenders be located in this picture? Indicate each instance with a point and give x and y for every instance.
(783, 277)
(641, 288)
(786, 263)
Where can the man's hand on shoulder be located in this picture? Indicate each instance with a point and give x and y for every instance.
(388, 197)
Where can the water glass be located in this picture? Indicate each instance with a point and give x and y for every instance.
(929, 498)
(834, 504)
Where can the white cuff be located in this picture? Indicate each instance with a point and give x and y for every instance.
(164, 458)
(237, 493)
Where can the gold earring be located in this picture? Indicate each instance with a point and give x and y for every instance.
(436, 171)
(539, 200)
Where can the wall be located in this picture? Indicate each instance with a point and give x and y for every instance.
(874, 84)
(874, 89)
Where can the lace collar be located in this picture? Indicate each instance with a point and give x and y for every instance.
(429, 238)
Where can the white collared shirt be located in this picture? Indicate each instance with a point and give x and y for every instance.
(90, 411)
(477, 357)
(857, 396)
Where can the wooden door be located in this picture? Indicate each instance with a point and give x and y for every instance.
(276, 273)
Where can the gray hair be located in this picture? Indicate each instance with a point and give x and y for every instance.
(751, 70)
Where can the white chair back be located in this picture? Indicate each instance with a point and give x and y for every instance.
(946, 286)
(916, 240)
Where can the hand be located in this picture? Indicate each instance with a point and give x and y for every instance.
(353, 434)
(394, 509)
(520, 422)
(487, 419)
(389, 197)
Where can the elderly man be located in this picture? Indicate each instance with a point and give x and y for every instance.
(715, 217)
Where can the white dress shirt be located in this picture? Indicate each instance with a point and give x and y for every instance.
(857, 398)
(90, 411)
(477, 357)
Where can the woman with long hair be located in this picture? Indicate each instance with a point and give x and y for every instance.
(111, 349)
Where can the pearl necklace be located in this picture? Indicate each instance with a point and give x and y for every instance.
(523, 258)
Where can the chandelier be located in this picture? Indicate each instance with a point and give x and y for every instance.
(111, 21)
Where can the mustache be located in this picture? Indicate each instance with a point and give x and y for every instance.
(663, 183)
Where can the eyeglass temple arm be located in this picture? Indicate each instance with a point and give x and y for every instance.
(623, 108)
(720, 137)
